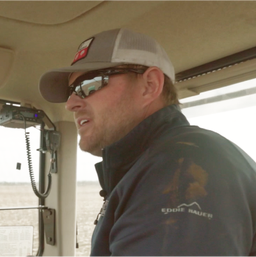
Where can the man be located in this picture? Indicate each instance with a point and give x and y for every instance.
(169, 188)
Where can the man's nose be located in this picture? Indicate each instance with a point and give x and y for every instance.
(74, 103)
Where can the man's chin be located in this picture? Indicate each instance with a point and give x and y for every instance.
(84, 146)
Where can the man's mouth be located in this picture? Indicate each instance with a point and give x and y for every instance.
(82, 122)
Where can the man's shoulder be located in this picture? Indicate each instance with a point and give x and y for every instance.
(203, 147)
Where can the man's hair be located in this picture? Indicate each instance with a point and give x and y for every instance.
(169, 93)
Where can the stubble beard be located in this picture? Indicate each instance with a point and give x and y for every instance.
(113, 126)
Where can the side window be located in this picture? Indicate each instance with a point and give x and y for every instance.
(24, 143)
(18, 222)
(229, 111)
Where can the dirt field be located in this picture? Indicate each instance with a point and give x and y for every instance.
(89, 204)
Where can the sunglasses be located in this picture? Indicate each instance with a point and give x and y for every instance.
(90, 82)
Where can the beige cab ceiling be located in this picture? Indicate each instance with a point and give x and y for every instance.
(45, 12)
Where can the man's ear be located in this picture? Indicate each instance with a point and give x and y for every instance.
(153, 83)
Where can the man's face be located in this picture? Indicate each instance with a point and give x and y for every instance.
(106, 115)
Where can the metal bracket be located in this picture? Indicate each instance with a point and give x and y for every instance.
(49, 225)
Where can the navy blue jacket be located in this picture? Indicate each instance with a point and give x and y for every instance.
(175, 189)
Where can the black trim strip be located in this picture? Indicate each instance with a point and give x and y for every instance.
(217, 64)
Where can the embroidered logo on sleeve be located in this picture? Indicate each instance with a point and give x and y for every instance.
(193, 208)
(186, 188)
(82, 50)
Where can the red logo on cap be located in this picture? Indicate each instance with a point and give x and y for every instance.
(82, 50)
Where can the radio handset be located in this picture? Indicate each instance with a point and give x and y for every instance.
(52, 143)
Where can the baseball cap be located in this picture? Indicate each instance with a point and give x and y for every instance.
(105, 50)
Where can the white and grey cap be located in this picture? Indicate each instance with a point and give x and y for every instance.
(104, 50)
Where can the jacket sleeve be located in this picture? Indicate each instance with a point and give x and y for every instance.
(182, 202)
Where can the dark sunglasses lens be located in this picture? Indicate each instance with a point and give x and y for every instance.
(88, 86)
(92, 85)
(79, 91)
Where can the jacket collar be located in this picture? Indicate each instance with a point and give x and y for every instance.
(119, 157)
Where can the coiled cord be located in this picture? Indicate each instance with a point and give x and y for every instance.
(31, 173)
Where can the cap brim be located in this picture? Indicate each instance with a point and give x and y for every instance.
(53, 85)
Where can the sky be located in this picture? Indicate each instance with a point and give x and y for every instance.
(13, 151)
(234, 119)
